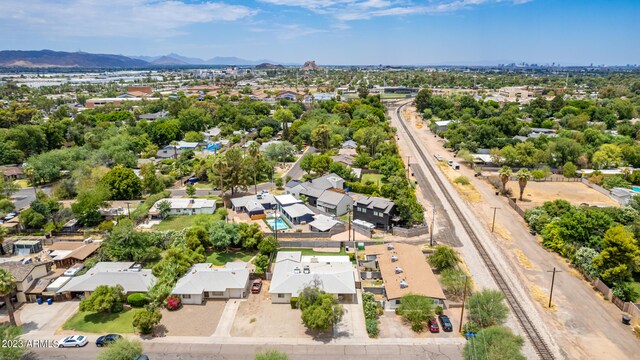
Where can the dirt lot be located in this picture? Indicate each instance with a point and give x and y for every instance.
(258, 317)
(394, 326)
(202, 320)
(536, 193)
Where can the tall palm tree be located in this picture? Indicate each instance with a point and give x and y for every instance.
(7, 285)
(254, 153)
(220, 168)
(523, 176)
(505, 173)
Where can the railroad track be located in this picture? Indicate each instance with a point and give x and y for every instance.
(540, 346)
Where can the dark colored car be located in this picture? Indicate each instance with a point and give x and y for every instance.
(445, 322)
(143, 357)
(256, 286)
(105, 340)
(532, 232)
(433, 326)
(192, 180)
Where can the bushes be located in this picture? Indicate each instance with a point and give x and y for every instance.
(455, 280)
(173, 303)
(145, 320)
(372, 327)
(444, 257)
(360, 188)
(462, 180)
(261, 262)
(137, 300)
(625, 291)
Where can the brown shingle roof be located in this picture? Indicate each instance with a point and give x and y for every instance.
(416, 272)
(19, 270)
(65, 245)
(85, 251)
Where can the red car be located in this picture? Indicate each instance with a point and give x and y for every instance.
(256, 286)
(433, 326)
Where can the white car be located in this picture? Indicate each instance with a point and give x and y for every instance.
(438, 157)
(73, 341)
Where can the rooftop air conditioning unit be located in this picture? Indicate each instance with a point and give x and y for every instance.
(136, 268)
(306, 270)
(394, 258)
(296, 270)
(403, 284)
(88, 240)
(398, 270)
(259, 196)
(389, 246)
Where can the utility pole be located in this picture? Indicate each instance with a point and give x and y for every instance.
(464, 299)
(349, 225)
(128, 211)
(408, 164)
(433, 220)
(493, 224)
(553, 279)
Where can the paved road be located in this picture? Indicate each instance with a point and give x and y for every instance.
(161, 351)
(24, 197)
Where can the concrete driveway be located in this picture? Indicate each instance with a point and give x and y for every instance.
(45, 319)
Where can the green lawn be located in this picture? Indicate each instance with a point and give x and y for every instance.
(180, 222)
(120, 323)
(309, 252)
(203, 185)
(221, 258)
(376, 178)
(636, 285)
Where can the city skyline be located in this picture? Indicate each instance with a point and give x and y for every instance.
(455, 32)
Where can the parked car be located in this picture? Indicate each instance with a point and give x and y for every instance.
(450, 162)
(256, 286)
(438, 157)
(73, 341)
(105, 340)
(72, 271)
(532, 232)
(192, 180)
(445, 322)
(433, 326)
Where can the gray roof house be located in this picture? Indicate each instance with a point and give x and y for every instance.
(131, 278)
(154, 116)
(254, 204)
(293, 272)
(622, 195)
(203, 282)
(349, 144)
(323, 187)
(334, 203)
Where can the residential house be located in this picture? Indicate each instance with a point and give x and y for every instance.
(203, 281)
(442, 125)
(349, 144)
(293, 272)
(154, 116)
(293, 209)
(131, 277)
(289, 95)
(325, 193)
(26, 276)
(334, 203)
(13, 173)
(211, 133)
(254, 205)
(404, 270)
(68, 253)
(622, 195)
(169, 152)
(378, 211)
(27, 245)
(186, 206)
(323, 223)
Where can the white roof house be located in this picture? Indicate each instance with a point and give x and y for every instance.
(203, 281)
(293, 272)
(111, 273)
(186, 206)
(323, 223)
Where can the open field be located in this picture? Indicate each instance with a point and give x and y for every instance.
(374, 178)
(536, 193)
(90, 322)
(180, 222)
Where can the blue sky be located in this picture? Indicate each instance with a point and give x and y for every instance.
(334, 31)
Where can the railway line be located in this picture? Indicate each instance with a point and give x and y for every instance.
(537, 341)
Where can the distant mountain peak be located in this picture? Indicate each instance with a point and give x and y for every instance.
(50, 58)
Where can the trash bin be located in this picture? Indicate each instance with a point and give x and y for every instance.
(626, 320)
(39, 301)
(346, 248)
(49, 301)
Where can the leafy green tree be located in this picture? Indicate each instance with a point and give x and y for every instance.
(11, 334)
(193, 119)
(444, 257)
(250, 235)
(194, 136)
(583, 260)
(261, 262)
(505, 173)
(569, 170)
(271, 355)
(124, 243)
(455, 280)
(371, 138)
(619, 256)
(523, 175)
(7, 286)
(7, 188)
(306, 163)
(268, 245)
(609, 155)
(180, 259)
(266, 132)
(121, 349)
(423, 100)
(280, 152)
(123, 183)
(320, 137)
(487, 308)
(146, 319)
(164, 207)
(321, 163)
(191, 190)
(222, 235)
(32, 219)
(416, 309)
(104, 299)
(320, 310)
(496, 343)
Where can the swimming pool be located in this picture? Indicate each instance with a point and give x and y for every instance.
(636, 188)
(273, 222)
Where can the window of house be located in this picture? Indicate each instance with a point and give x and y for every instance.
(280, 296)
(378, 214)
(216, 293)
(186, 296)
(397, 301)
(29, 278)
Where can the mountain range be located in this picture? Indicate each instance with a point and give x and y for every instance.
(53, 59)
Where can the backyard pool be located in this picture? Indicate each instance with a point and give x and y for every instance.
(636, 188)
(273, 222)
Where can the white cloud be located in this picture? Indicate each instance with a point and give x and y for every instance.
(348, 10)
(287, 31)
(114, 18)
